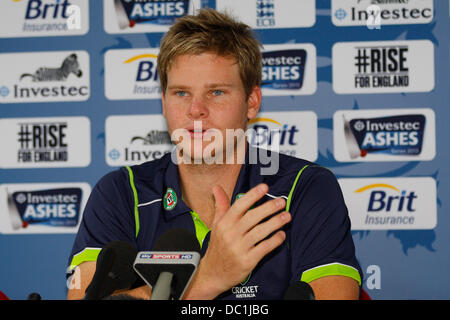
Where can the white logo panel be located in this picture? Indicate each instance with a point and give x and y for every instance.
(135, 139)
(131, 74)
(261, 14)
(375, 14)
(384, 135)
(48, 76)
(390, 203)
(383, 66)
(137, 16)
(289, 69)
(293, 133)
(43, 18)
(29, 208)
(45, 142)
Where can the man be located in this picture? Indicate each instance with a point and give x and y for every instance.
(259, 233)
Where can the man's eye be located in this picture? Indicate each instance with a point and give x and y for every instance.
(181, 93)
(217, 92)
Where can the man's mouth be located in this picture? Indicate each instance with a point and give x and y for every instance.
(197, 133)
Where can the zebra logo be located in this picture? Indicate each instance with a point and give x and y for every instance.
(69, 65)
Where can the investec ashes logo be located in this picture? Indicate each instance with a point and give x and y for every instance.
(283, 69)
(132, 12)
(53, 207)
(42, 142)
(381, 66)
(395, 135)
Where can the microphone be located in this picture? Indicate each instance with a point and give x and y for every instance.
(34, 296)
(299, 290)
(114, 270)
(169, 268)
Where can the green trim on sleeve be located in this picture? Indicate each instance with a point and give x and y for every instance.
(88, 254)
(288, 203)
(201, 230)
(331, 269)
(136, 201)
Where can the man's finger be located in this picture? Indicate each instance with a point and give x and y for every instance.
(244, 203)
(263, 230)
(222, 203)
(256, 215)
(264, 247)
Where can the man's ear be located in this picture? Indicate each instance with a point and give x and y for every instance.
(254, 102)
(163, 104)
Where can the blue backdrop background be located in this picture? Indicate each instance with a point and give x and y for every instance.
(413, 264)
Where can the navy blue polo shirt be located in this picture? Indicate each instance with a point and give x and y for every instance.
(138, 204)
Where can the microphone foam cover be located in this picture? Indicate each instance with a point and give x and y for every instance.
(122, 270)
(299, 290)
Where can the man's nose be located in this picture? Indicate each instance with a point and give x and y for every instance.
(198, 108)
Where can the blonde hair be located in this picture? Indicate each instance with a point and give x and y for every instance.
(216, 32)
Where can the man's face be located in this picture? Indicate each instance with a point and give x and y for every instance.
(205, 97)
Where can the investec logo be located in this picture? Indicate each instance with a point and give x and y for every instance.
(391, 203)
(136, 139)
(261, 14)
(383, 66)
(376, 13)
(42, 208)
(291, 133)
(36, 18)
(133, 16)
(131, 74)
(48, 76)
(384, 135)
(45, 142)
(289, 69)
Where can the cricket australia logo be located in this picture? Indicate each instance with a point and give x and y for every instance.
(245, 291)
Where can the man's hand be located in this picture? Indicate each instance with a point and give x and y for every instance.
(238, 241)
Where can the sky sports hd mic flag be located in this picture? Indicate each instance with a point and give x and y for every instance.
(169, 268)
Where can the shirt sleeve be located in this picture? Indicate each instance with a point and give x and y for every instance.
(321, 243)
(108, 216)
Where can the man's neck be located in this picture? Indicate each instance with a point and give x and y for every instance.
(197, 181)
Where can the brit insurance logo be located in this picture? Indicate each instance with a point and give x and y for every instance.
(262, 14)
(139, 16)
(132, 74)
(293, 133)
(42, 208)
(384, 135)
(376, 13)
(289, 69)
(45, 142)
(38, 18)
(49, 76)
(136, 139)
(383, 66)
(390, 203)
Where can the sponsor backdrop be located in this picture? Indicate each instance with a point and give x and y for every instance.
(358, 86)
